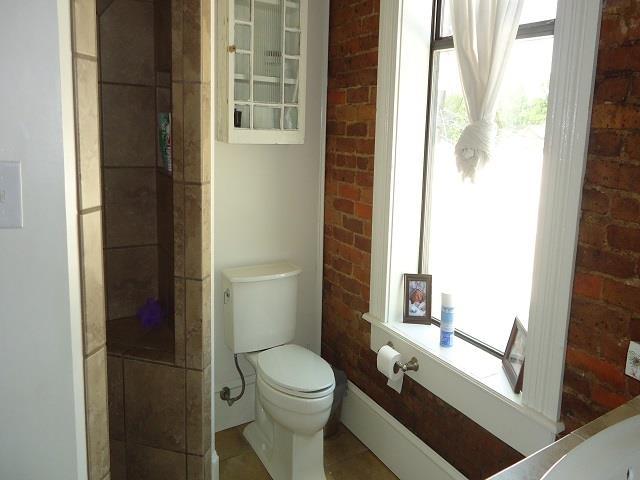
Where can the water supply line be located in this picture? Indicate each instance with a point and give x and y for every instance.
(225, 393)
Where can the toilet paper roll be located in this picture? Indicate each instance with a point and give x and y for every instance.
(386, 361)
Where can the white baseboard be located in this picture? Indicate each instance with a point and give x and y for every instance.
(215, 466)
(399, 449)
(243, 411)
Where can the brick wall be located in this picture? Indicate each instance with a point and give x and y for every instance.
(353, 56)
(605, 311)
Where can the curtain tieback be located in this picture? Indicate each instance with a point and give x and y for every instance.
(474, 147)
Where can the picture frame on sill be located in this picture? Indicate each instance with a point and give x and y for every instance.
(514, 355)
(417, 298)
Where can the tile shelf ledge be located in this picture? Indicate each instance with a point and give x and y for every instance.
(470, 380)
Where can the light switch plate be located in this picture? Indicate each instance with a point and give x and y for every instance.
(633, 360)
(10, 195)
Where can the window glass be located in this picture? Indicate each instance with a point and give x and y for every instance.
(480, 237)
(532, 11)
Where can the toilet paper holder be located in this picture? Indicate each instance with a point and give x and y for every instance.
(411, 365)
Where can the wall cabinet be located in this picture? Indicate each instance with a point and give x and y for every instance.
(261, 71)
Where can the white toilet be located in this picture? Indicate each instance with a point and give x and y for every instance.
(294, 387)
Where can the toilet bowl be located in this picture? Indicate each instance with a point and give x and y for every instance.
(294, 393)
(294, 386)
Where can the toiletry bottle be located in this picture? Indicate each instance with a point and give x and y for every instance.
(446, 320)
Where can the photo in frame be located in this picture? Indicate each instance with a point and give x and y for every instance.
(513, 359)
(417, 299)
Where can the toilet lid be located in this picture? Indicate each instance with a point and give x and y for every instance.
(295, 369)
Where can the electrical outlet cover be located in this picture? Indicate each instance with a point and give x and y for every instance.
(633, 360)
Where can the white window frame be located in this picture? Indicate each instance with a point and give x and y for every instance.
(528, 421)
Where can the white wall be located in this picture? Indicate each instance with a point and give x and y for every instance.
(268, 207)
(41, 389)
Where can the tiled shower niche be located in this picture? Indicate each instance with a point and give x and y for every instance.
(135, 85)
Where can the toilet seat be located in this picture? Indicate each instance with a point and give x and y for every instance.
(296, 371)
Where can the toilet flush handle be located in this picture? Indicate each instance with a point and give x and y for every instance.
(227, 296)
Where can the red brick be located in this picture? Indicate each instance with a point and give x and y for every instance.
(343, 205)
(621, 294)
(607, 398)
(587, 285)
(595, 201)
(625, 208)
(613, 89)
(610, 263)
(624, 238)
(363, 211)
(626, 58)
(358, 95)
(357, 129)
(336, 97)
(611, 30)
(603, 370)
(605, 143)
(632, 146)
(348, 191)
(336, 128)
(363, 243)
(354, 225)
(615, 116)
(343, 235)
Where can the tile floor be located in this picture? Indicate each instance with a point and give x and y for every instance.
(345, 458)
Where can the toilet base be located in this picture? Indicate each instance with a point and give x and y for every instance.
(287, 456)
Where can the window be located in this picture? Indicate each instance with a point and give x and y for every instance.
(479, 237)
(462, 376)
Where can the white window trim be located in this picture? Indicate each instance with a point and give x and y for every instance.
(531, 420)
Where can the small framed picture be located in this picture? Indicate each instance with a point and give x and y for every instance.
(417, 299)
(513, 359)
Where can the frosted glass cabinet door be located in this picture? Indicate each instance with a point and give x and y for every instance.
(264, 86)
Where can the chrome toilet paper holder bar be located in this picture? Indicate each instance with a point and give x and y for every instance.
(412, 365)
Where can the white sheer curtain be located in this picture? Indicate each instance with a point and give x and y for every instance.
(483, 34)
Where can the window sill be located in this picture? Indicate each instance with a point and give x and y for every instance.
(470, 380)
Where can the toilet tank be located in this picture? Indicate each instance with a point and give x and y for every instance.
(260, 306)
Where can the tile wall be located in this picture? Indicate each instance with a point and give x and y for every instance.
(87, 135)
(152, 418)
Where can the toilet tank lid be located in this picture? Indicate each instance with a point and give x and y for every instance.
(258, 273)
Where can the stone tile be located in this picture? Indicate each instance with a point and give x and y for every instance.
(179, 230)
(205, 131)
(193, 128)
(131, 209)
(164, 188)
(88, 132)
(177, 61)
(93, 301)
(95, 371)
(126, 43)
(364, 466)
(146, 463)
(536, 465)
(128, 125)
(199, 411)
(102, 5)
(162, 12)
(205, 41)
(197, 227)
(611, 418)
(231, 443)
(179, 320)
(192, 53)
(194, 320)
(341, 446)
(115, 378)
(155, 405)
(84, 27)
(118, 460)
(199, 467)
(243, 467)
(132, 278)
(177, 131)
